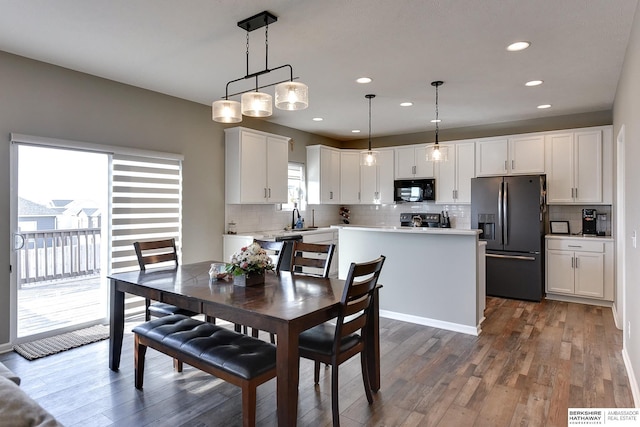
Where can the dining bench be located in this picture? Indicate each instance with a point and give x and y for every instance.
(236, 358)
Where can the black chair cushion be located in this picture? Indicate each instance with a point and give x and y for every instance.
(239, 354)
(161, 309)
(319, 339)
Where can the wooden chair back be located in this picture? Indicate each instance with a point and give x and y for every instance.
(155, 252)
(311, 255)
(275, 251)
(360, 284)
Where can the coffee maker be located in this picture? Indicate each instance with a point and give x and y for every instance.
(589, 222)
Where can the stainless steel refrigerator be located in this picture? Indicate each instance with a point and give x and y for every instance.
(511, 213)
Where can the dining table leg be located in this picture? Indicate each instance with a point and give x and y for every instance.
(288, 375)
(116, 325)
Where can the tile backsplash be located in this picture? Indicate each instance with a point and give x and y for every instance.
(573, 214)
(250, 218)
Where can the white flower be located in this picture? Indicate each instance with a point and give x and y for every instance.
(249, 259)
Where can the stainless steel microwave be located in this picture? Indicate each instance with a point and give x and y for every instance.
(414, 190)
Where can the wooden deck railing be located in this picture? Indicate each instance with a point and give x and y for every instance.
(57, 254)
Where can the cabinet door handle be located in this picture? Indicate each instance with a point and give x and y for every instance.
(576, 192)
(413, 170)
(513, 164)
(330, 195)
(265, 193)
(574, 246)
(505, 165)
(269, 193)
(576, 262)
(572, 262)
(453, 193)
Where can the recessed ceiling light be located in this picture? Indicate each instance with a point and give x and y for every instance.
(317, 119)
(543, 106)
(514, 47)
(406, 104)
(533, 83)
(355, 131)
(436, 121)
(364, 80)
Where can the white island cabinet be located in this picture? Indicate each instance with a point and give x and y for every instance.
(431, 276)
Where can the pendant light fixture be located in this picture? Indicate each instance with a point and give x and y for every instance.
(369, 157)
(437, 153)
(289, 95)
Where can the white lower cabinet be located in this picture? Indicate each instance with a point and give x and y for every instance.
(325, 239)
(580, 267)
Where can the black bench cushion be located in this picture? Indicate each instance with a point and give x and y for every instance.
(161, 309)
(239, 354)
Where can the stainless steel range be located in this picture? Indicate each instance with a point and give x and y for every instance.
(420, 220)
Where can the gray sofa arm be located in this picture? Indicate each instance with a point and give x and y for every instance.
(8, 373)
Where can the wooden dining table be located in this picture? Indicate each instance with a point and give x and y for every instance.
(285, 305)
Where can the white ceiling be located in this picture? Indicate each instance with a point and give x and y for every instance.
(191, 49)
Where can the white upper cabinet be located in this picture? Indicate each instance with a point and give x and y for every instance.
(453, 177)
(349, 176)
(323, 175)
(376, 182)
(411, 162)
(517, 155)
(578, 166)
(255, 167)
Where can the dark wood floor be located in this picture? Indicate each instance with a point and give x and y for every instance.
(532, 362)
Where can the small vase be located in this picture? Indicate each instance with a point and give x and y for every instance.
(249, 279)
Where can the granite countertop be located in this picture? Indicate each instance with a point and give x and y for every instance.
(580, 237)
(270, 234)
(413, 230)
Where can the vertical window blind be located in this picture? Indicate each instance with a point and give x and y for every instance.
(146, 204)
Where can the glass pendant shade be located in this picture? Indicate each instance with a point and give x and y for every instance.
(437, 153)
(292, 96)
(368, 158)
(226, 111)
(256, 104)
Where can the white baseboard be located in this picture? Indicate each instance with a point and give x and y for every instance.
(455, 327)
(615, 317)
(5, 348)
(577, 299)
(635, 391)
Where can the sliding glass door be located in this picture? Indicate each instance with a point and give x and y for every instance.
(60, 212)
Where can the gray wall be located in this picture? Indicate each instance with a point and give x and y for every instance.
(45, 100)
(626, 112)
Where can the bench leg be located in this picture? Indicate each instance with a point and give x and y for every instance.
(249, 401)
(139, 353)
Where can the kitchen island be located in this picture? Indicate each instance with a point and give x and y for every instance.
(432, 276)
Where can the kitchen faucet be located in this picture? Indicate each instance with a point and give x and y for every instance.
(293, 217)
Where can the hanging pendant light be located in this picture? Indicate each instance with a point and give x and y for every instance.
(369, 157)
(226, 111)
(437, 153)
(256, 104)
(289, 95)
(292, 96)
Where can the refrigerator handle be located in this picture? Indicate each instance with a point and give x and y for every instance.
(505, 212)
(500, 214)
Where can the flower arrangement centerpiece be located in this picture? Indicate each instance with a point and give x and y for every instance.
(249, 264)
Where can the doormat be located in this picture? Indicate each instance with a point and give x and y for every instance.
(47, 346)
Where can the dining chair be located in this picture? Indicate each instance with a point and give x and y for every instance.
(275, 251)
(336, 341)
(311, 258)
(157, 252)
